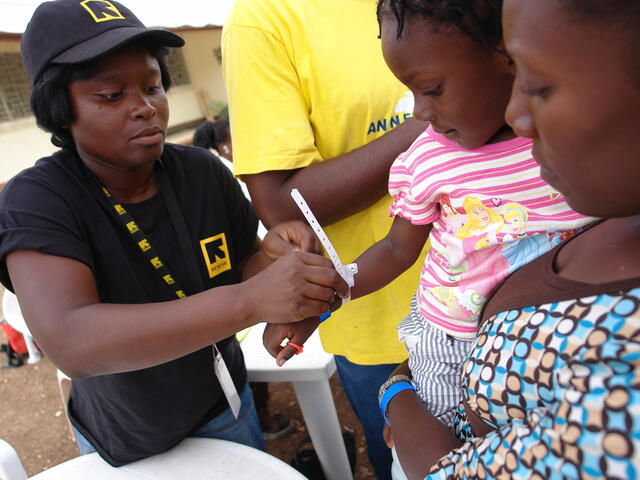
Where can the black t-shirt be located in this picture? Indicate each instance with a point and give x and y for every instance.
(56, 207)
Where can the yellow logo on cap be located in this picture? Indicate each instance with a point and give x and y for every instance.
(102, 10)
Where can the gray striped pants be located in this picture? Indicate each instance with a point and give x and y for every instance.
(435, 360)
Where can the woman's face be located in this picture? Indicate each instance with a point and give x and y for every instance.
(574, 95)
(120, 114)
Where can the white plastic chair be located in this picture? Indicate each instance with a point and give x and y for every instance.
(10, 466)
(13, 316)
(64, 386)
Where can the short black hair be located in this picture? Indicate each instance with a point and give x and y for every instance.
(479, 19)
(50, 100)
(212, 134)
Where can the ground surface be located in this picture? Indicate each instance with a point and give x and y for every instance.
(32, 418)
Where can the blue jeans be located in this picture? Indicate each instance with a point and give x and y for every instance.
(361, 384)
(245, 430)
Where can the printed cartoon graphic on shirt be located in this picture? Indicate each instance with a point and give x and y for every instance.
(481, 225)
(527, 248)
(453, 221)
(477, 244)
(515, 221)
(216, 254)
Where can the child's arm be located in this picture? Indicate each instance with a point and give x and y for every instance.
(381, 263)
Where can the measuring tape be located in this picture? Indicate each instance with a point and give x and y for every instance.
(346, 271)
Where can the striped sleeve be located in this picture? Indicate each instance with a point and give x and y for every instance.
(409, 200)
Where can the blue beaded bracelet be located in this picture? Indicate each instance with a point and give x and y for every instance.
(391, 392)
(324, 316)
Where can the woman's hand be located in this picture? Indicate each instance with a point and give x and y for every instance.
(417, 450)
(403, 370)
(387, 435)
(290, 236)
(297, 333)
(294, 287)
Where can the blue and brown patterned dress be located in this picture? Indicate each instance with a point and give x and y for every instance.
(558, 383)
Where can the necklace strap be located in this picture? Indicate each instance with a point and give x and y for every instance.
(143, 242)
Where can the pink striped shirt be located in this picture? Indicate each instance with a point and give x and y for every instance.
(491, 213)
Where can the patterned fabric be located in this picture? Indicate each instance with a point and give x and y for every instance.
(491, 213)
(561, 382)
(435, 361)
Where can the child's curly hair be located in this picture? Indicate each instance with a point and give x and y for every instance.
(479, 19)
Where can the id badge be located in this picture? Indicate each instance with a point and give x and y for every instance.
(224, 377)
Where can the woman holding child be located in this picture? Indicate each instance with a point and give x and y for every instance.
(132, 259)
(551, 384)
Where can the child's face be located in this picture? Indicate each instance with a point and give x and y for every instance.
(574, 96)
(459, 87)
(120, 114)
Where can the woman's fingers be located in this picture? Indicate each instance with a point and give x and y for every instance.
(325, 274)
(387, 436)
(291, 236)
(294, 287)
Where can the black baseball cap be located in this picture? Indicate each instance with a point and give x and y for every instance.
(76, 31)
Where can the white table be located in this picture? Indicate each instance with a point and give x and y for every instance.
(192, 459)
(310, 373)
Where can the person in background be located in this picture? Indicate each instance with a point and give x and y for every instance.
(551, 384)
(135, 262)
(314, 107)
(216, 136)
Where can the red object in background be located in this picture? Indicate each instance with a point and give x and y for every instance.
(15, 338)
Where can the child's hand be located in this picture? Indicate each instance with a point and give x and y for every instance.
(290, 236)
(387, 435)
(297, 333)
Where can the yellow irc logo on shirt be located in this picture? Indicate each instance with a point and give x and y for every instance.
(102, 10)
(216, 254)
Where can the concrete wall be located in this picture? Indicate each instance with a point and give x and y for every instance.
(22, 142)
(203, 66)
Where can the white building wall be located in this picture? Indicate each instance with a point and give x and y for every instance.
(22, 142)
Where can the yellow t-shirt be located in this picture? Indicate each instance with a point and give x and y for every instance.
(306, 81)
